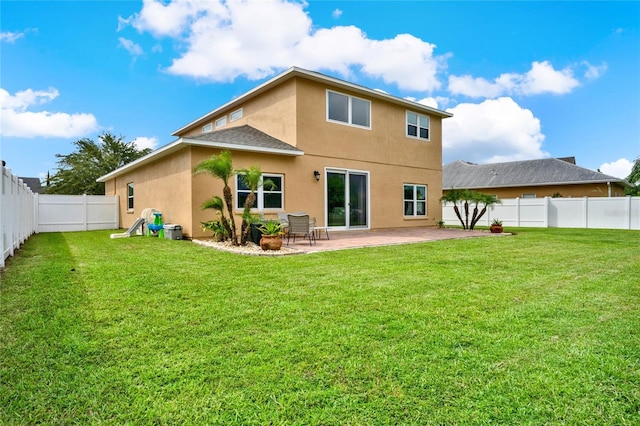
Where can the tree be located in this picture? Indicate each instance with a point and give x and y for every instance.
(77, 172)
(217, 204)
(467, 197)
(634, 179)
(221, 167)
(485, 199)
(454, 196)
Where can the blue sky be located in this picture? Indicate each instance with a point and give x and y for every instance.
(524, 80)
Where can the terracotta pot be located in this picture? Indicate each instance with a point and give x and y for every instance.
(496, 229)
(271, 242)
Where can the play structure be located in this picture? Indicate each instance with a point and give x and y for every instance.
(129, 232)
(156, 229)
(152, 218)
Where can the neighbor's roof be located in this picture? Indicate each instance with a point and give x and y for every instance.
(314, 76)
(33, 183)
(548, 171)
(241, 138)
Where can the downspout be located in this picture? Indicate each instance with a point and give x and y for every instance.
(609, 189)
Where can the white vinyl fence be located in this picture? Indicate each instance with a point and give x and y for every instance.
(584, 212)
(23, 213)
(17, 221)
(64, 213)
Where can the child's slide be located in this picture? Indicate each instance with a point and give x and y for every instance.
(138, 223)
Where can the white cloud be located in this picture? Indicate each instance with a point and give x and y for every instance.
(594, 71)
(336, 14)
(133, 48)
(17, 120)
(143, 142)
(255, 39)
(10, 37)
(541, 78)
(495, 130)
(620, 168)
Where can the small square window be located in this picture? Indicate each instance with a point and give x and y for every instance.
(415, 200)
(235, 115)
(417, 126)
(221, 122)
(207, 128)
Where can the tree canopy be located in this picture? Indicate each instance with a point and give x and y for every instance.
(634, 178)
(77, 172)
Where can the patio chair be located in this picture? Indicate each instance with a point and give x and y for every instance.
(299, 225)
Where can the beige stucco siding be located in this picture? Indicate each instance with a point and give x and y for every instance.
(164, 185)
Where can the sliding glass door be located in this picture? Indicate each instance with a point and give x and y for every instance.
(347, 199)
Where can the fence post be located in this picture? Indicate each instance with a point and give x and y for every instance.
(546, 211)
(85, 212)
(585, 213)
(628, 209)
(518, 212)
(3, 202)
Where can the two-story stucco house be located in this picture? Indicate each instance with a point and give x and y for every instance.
(352, 157)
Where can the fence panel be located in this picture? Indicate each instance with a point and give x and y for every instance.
(65, 213)
(16, 213)
(585, 212)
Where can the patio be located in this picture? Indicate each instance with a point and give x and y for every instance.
(342, 240)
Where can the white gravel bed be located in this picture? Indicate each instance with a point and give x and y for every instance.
(250, 249)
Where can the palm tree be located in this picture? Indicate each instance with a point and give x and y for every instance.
(217, 204)
(221, 167)
(252, 178)
(454, 196)
(487, 200)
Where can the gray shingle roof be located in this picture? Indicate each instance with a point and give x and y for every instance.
(245, 137)
(33, 183)
(548, 171)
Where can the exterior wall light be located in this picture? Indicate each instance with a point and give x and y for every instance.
(317, 175)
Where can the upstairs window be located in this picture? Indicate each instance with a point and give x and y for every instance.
(271, 197)
(221, 122)
(348, 110)
(207, 128)
(417, 126)
(415, 200)
(235, 115)
(130, 196)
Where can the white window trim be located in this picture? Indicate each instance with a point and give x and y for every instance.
(207, 128)
(349, 112)
(260, 193)
(415, 200)
(406, 126)
(236, 115)
(221, 122)
(130, 197)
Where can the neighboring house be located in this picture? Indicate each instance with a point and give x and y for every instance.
(548, 177)
(34, 184)
(352, 157)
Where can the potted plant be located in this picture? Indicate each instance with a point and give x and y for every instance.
(440, 224)
(271, 235)
(496, 226)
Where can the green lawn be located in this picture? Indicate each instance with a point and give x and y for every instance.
(539, 328)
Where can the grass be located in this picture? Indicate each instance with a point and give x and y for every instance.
(539, 328)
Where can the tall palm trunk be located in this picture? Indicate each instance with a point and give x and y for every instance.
(466, 213)
(246, 226)
(228, 200)
(457, 210)
(477, 218)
